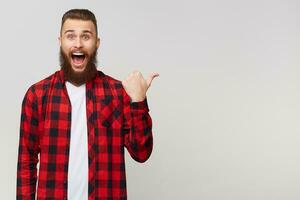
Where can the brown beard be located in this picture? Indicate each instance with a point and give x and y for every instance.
(78, 78)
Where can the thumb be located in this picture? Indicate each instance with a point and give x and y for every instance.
(151, 77)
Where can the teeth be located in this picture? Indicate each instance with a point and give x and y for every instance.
(78, 54)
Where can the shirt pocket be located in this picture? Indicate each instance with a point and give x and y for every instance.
(110, 113)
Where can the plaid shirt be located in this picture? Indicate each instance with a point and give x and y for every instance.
(113, 122)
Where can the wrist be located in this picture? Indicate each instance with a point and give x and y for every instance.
(138, 99)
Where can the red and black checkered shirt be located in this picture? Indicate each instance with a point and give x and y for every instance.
(113, 122)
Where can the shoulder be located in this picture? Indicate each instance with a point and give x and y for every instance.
(110, 86)
(39, 88)
(109, 81)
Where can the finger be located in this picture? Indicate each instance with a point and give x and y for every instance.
(151, 77)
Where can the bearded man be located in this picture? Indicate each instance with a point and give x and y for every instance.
(76, 122)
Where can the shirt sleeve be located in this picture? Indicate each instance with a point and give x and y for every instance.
(137, 129)
(28, 148)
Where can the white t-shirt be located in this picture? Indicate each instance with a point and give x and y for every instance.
(78, 156)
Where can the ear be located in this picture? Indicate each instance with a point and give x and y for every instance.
(59, 40)
(98, 42)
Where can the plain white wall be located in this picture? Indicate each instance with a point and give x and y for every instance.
(226, 108)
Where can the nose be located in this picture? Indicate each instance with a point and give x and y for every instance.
(78, 43)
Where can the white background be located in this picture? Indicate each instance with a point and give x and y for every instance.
(226, 108)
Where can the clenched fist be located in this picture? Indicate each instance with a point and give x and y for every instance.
(136, 86)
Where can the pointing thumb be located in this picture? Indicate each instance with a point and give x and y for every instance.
(151, 77)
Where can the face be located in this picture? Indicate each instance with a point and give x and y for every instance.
(78, 46)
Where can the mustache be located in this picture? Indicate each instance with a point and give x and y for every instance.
(64, 60)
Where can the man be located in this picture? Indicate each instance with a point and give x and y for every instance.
(76, 123)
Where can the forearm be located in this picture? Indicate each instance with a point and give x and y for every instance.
(138, 137)
(26, 177)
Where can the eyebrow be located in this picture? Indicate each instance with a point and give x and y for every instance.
(87, 31)
(67, 31)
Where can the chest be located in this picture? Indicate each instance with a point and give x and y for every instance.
(104, 118)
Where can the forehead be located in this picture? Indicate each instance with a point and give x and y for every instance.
(77, 25)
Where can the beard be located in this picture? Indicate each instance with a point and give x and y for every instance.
(78, 78)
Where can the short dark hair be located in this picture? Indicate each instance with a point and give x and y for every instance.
(81, 14)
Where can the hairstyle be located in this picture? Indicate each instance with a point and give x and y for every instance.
(80, 14)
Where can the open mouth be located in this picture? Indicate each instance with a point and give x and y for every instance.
(78, 58)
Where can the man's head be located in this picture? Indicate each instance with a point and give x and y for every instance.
(78, 45)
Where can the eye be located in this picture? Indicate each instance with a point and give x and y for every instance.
(85, 37)
(70, 36)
